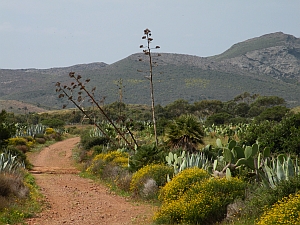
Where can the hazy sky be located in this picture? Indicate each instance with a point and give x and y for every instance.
(58, 33)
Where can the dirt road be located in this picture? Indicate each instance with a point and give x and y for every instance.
(75, 200)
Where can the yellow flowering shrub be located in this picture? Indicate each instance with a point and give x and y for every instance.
(204, 202)
(30, 144)
(114, 157)
(49, 130)
(119, 158)
(157, 172)
(285, 211)
(17, 141)
(22, 143)
(182, 182)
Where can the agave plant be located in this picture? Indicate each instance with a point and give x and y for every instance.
(187, 160)
(279, 169)
(29, 130)
(9, 163)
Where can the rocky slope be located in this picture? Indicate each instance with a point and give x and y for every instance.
(266, 65)
(280, 61)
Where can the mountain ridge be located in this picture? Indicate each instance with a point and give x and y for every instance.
(265, 65)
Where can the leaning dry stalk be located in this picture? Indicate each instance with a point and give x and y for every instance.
(91, 97)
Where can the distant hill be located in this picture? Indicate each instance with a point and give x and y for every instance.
(18, 107)
(266, 65)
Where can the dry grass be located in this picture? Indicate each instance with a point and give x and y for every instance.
(4, 202)
(150, 189)
(123, 180)
(40, 140)
(296, 109)
(18, 107)
(11, 186)
(22, 148)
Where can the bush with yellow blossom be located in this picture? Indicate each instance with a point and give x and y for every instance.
(201, 200)
(116, 158)
(285, 211)
(155, 174)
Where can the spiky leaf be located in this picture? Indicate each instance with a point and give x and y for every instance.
(279, 171)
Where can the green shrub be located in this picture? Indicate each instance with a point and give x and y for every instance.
(146, 155)
(88, 142)
(97, 149)
(39, 135)
(53, 123)
(74, 130)
(146, 176)
(262, 197)
(204, 202)
(285, 211)
(7, 130)
(275, 113)
(279, 136)
(111, 172)
(218, 119)
(181, 183)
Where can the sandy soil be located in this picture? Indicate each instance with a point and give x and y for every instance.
(75, 200)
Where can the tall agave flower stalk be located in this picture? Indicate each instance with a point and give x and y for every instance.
(147, 51)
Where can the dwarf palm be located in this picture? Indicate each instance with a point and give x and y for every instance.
(185, 132)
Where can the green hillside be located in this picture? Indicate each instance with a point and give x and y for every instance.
(176, 76)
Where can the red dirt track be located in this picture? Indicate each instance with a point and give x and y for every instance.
(75, 200)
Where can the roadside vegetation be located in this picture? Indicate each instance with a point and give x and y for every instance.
(19, 195)
(201, 146)
(206, 162)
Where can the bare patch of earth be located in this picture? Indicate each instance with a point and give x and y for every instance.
(75, 200)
